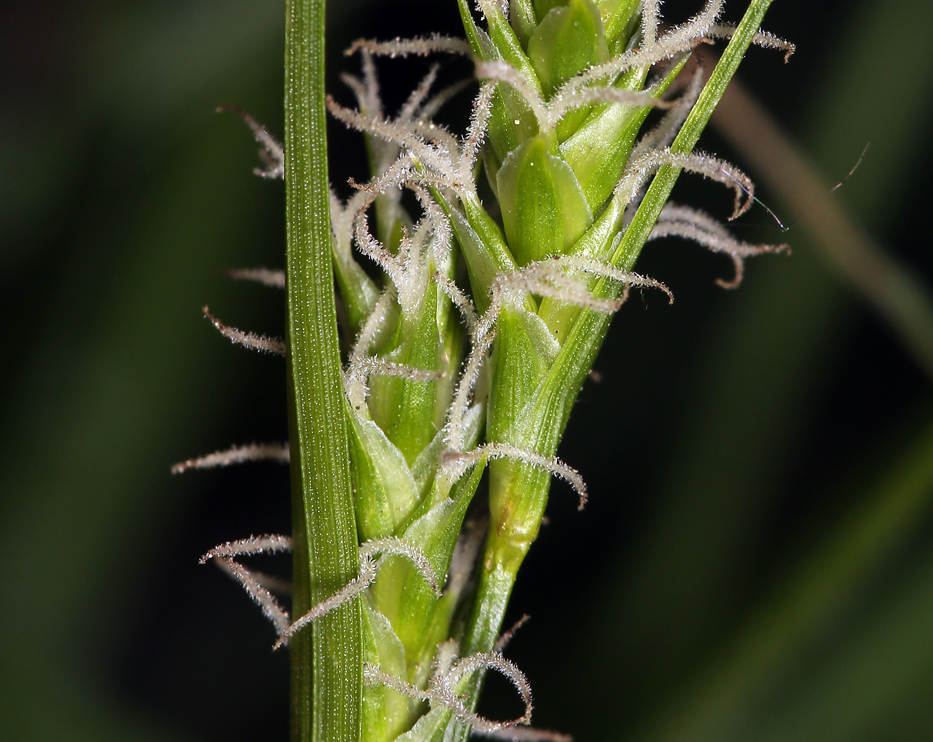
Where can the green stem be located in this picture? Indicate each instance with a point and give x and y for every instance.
(326, 659)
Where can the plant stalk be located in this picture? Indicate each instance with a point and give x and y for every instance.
(326, 658)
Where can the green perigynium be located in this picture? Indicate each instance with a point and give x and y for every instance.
(447, 375)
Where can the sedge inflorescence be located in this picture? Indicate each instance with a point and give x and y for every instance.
(471, 342)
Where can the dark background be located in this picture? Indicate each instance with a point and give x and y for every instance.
(745, 568)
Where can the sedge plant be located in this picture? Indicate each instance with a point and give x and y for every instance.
(468, 326)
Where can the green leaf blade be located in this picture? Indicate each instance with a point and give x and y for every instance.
(327, 658)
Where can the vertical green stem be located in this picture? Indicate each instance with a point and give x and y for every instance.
(326, 659)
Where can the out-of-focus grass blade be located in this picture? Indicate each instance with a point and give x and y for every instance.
(727, 697)
(877, 681)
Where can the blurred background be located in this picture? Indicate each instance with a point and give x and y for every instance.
(756, 560)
